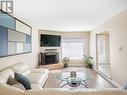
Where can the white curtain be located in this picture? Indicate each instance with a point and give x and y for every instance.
(73, 48)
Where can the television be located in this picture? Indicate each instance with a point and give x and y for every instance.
(50, 40)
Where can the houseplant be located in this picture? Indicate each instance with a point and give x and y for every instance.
(88, 60)
(65, 61)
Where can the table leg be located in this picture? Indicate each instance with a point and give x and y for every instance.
(64, 85)
(85, 82)
(84, 85)
(60, 82)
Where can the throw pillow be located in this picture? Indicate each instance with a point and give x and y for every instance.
(23, 80)
(13, 82)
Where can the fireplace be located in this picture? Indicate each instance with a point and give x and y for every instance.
(47, 58)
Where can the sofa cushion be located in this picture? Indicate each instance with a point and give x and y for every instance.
(101, 92)
(36, 87)
(36, 78)
(107, 91)
(26, 72)
(22, 79)
(20, 86)
(6, 74)
(9, 90)
(42, 71)
(64, 91)
(51, 91)
(21, 68)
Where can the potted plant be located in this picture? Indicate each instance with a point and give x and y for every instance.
(88, 60)
(65, 61)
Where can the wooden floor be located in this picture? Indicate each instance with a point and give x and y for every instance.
(96, 80)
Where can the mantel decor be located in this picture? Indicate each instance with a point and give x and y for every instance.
(15, 36)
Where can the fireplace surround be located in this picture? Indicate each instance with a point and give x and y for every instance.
(49, 57)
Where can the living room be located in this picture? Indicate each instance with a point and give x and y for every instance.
(51, 46)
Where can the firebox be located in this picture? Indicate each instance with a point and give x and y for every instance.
(49, 58)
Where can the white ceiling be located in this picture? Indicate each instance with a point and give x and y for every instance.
(68, 15)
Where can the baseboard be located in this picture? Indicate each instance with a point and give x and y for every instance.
(112, 82)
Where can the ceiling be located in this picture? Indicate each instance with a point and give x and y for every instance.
(67, 15)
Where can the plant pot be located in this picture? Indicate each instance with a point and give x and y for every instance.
(90, 66)
(65, 65)
(86, 65)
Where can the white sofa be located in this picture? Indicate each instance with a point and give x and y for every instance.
(8, 90)
(36, 76)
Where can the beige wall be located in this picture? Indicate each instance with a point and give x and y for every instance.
(85, 35)
(117, 28)
(30, 58)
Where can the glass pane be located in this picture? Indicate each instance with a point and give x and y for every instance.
(22, 27)
(11, 48)
(27, 47)
(3, 41)
(28, 38)
(16, 36)
(19, 47)
(7, 21)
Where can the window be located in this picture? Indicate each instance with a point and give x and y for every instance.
(73, 48)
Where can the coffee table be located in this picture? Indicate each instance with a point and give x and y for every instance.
(80, 79)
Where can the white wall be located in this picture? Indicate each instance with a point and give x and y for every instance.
(35, 47)
(84, 35)
(42, 49)
(30, 58)
(117, 28)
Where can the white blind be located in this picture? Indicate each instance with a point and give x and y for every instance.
(73, 48)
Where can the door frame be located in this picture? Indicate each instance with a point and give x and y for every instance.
(97, 52)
